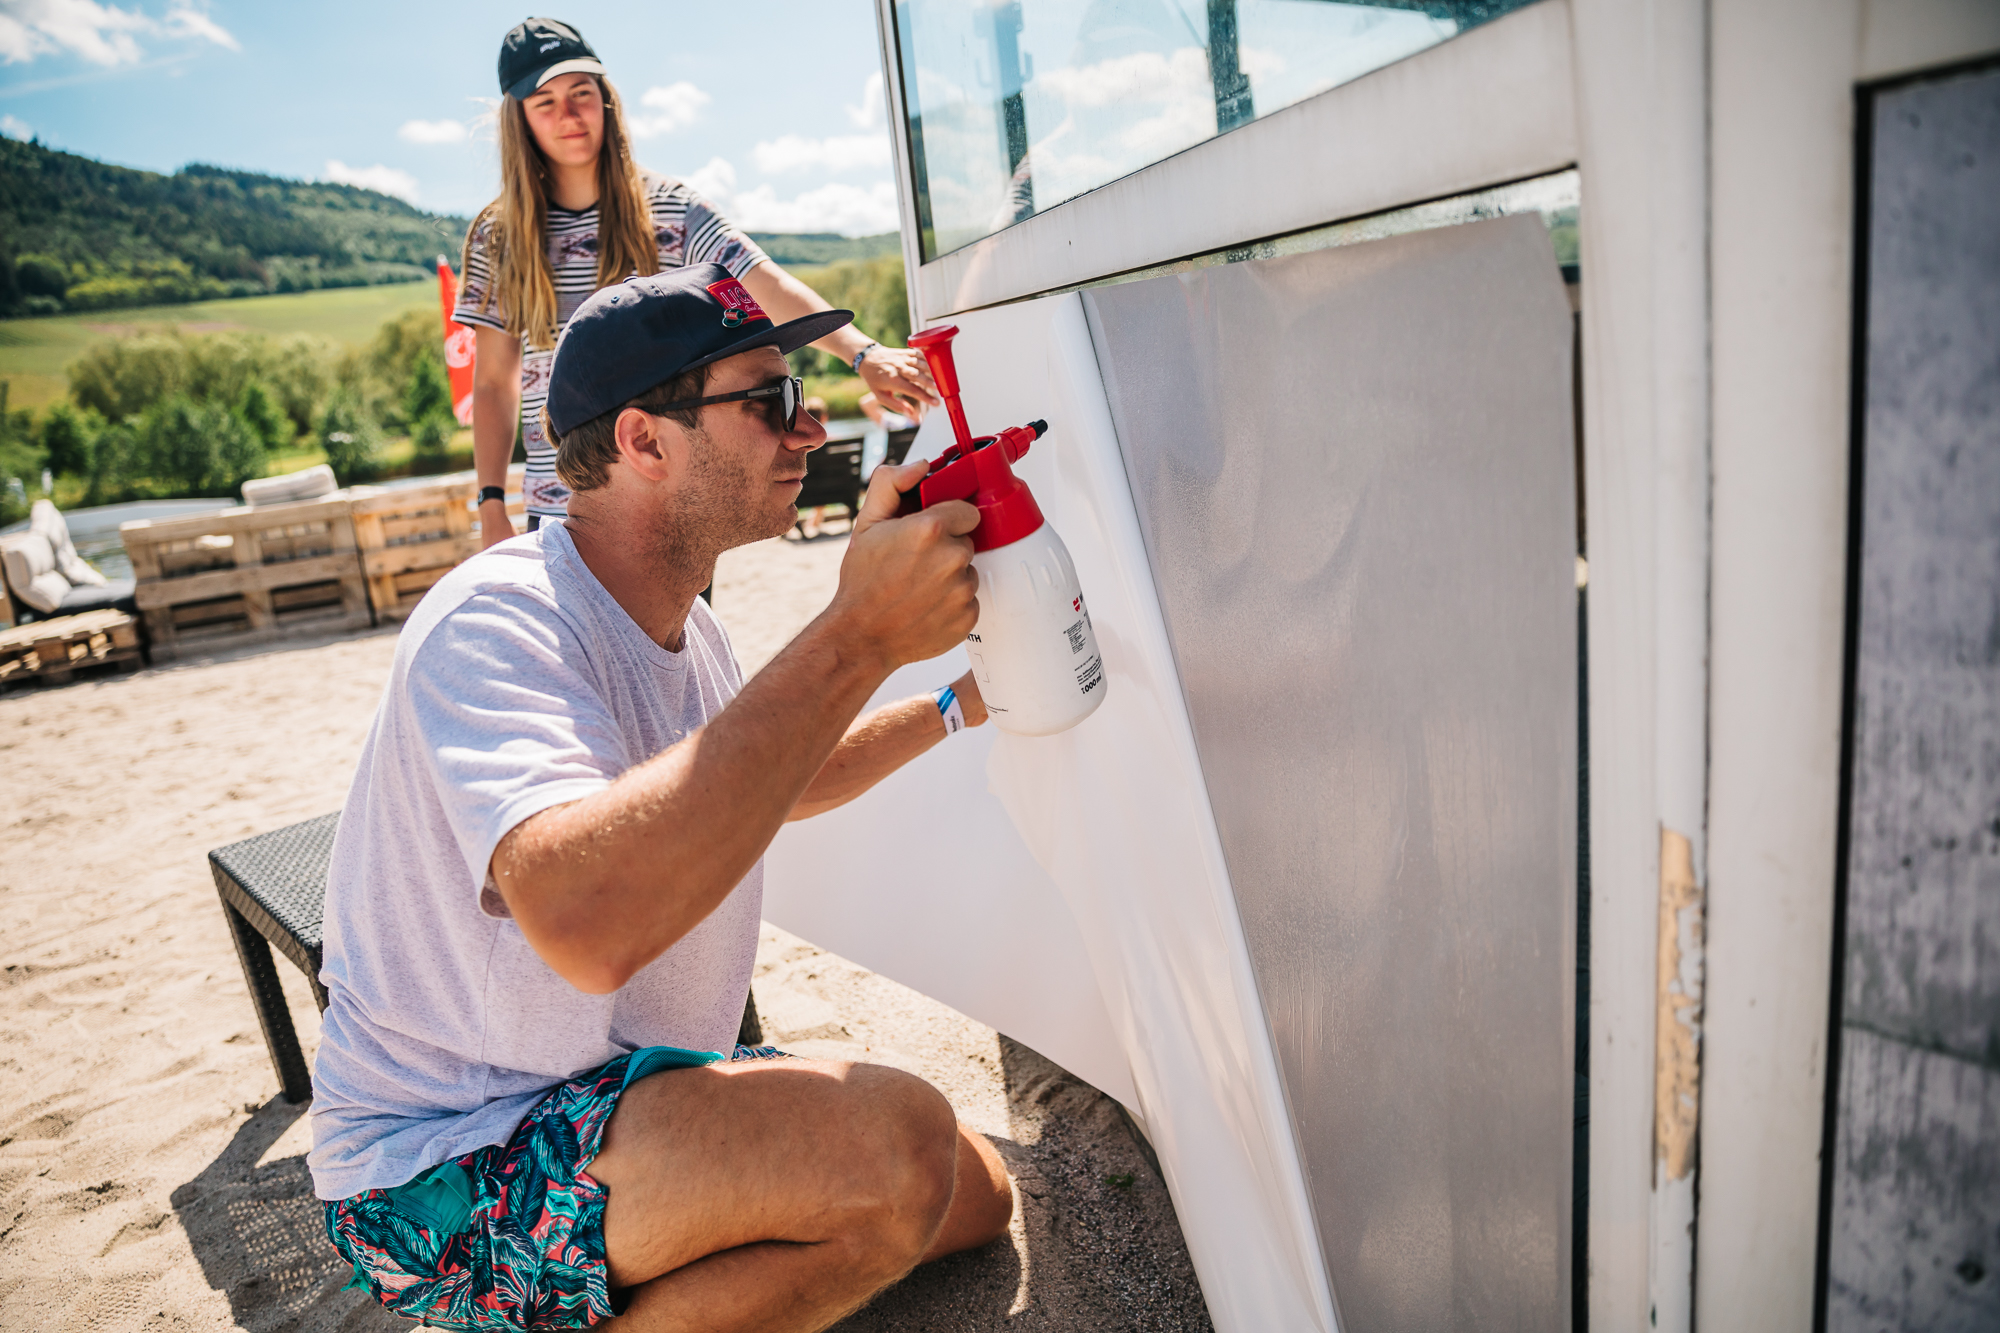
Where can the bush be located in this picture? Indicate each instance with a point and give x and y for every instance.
(256, 409)
(432, 438)
(67, 439)
(114, 463)
(39, 275)
(352, 440)
(198, 448)
(121, 377)
(160, 282)
(398, 345)
(427, 393)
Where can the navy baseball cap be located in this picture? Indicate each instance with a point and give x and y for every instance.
(537, 50)
(630, 336)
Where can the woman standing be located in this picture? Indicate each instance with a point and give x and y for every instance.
(575, 213)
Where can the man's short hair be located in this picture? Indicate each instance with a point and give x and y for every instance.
(585, 455)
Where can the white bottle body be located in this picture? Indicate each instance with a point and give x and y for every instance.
(1033, 652)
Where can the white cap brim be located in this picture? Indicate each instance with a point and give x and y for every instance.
(578, 66)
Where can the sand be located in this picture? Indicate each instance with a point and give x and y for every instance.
(150, 1175)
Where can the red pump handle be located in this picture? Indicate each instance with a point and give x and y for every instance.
(935, 344)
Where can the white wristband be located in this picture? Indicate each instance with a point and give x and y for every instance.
(947, 701)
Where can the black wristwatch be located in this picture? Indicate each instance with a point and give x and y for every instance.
(493, 493)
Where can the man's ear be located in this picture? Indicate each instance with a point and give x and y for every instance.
(643, 442)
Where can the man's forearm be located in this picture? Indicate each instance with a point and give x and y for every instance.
(873, 748)
(882, 742)
(604, 885)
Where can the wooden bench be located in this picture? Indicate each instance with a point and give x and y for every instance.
(273, 890)
(52, 651)
(248, 573)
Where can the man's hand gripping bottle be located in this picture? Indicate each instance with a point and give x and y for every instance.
(1032, 651)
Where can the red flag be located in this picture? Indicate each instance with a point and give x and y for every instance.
(458, 346)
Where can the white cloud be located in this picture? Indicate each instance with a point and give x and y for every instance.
(716, 179)
(851, 210)
(101, 34)
(15, 129)
(187, 21)
(870, 114)
(385, 180)
(836, 152)
(666, 109)
(433, 131)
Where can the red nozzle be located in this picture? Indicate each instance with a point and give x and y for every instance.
(935, 344)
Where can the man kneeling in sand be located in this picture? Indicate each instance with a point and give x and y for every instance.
(543, 904)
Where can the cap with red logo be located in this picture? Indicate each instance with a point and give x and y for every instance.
(628, 337)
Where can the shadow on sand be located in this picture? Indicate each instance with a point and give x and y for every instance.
(1096, 1245)
(256, 1231)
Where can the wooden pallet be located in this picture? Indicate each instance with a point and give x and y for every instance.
(247, 574)
(52, 651)
(410, 538)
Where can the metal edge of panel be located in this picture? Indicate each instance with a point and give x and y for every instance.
(899, 156)
(1293, 169)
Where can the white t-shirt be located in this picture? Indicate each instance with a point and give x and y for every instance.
(519, 684)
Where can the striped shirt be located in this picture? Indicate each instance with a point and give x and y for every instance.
(689, 231)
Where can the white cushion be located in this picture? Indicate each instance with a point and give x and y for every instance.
(46, 519)
(44, 592)
(308, 484)
(30, 567)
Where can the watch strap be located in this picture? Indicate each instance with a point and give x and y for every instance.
(493, 493)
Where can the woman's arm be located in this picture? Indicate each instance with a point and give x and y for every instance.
(894, 374)
(496, 413)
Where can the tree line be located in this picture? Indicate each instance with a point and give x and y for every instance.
(79, 234)
(170, 414)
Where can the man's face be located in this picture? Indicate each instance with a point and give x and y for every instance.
(742, 470)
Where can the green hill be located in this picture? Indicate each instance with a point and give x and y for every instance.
(825, 247)
(79, 234)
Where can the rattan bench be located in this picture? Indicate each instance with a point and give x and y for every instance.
(273, 889)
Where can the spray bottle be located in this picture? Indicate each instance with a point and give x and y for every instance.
(1033, 652)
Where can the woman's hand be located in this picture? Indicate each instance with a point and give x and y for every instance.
(899, 379)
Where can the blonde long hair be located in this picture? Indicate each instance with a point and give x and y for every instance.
(518, 250)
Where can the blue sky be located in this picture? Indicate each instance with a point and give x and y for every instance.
(774, 109)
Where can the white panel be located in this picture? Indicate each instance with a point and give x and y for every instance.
(1490, 106)
(1115, 818)
(924, 880)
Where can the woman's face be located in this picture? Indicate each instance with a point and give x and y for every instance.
(566, 116)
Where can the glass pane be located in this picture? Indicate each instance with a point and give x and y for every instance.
(1017, 105)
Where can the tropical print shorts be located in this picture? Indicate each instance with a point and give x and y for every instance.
(510, 1237)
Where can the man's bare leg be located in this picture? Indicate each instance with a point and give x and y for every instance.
(781, 1195)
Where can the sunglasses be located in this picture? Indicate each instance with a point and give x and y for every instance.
(788, 393)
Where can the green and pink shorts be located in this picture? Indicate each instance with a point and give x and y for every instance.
(510, 1237)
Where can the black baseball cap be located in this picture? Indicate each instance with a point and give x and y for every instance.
(632, 335)
(536, 50)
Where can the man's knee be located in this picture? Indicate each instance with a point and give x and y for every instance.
(907, 1136)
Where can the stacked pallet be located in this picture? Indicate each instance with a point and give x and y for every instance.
(412, 536)
(247, 574)
(409, 539)
(51, 651)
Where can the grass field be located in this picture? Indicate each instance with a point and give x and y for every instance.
(34, 352)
